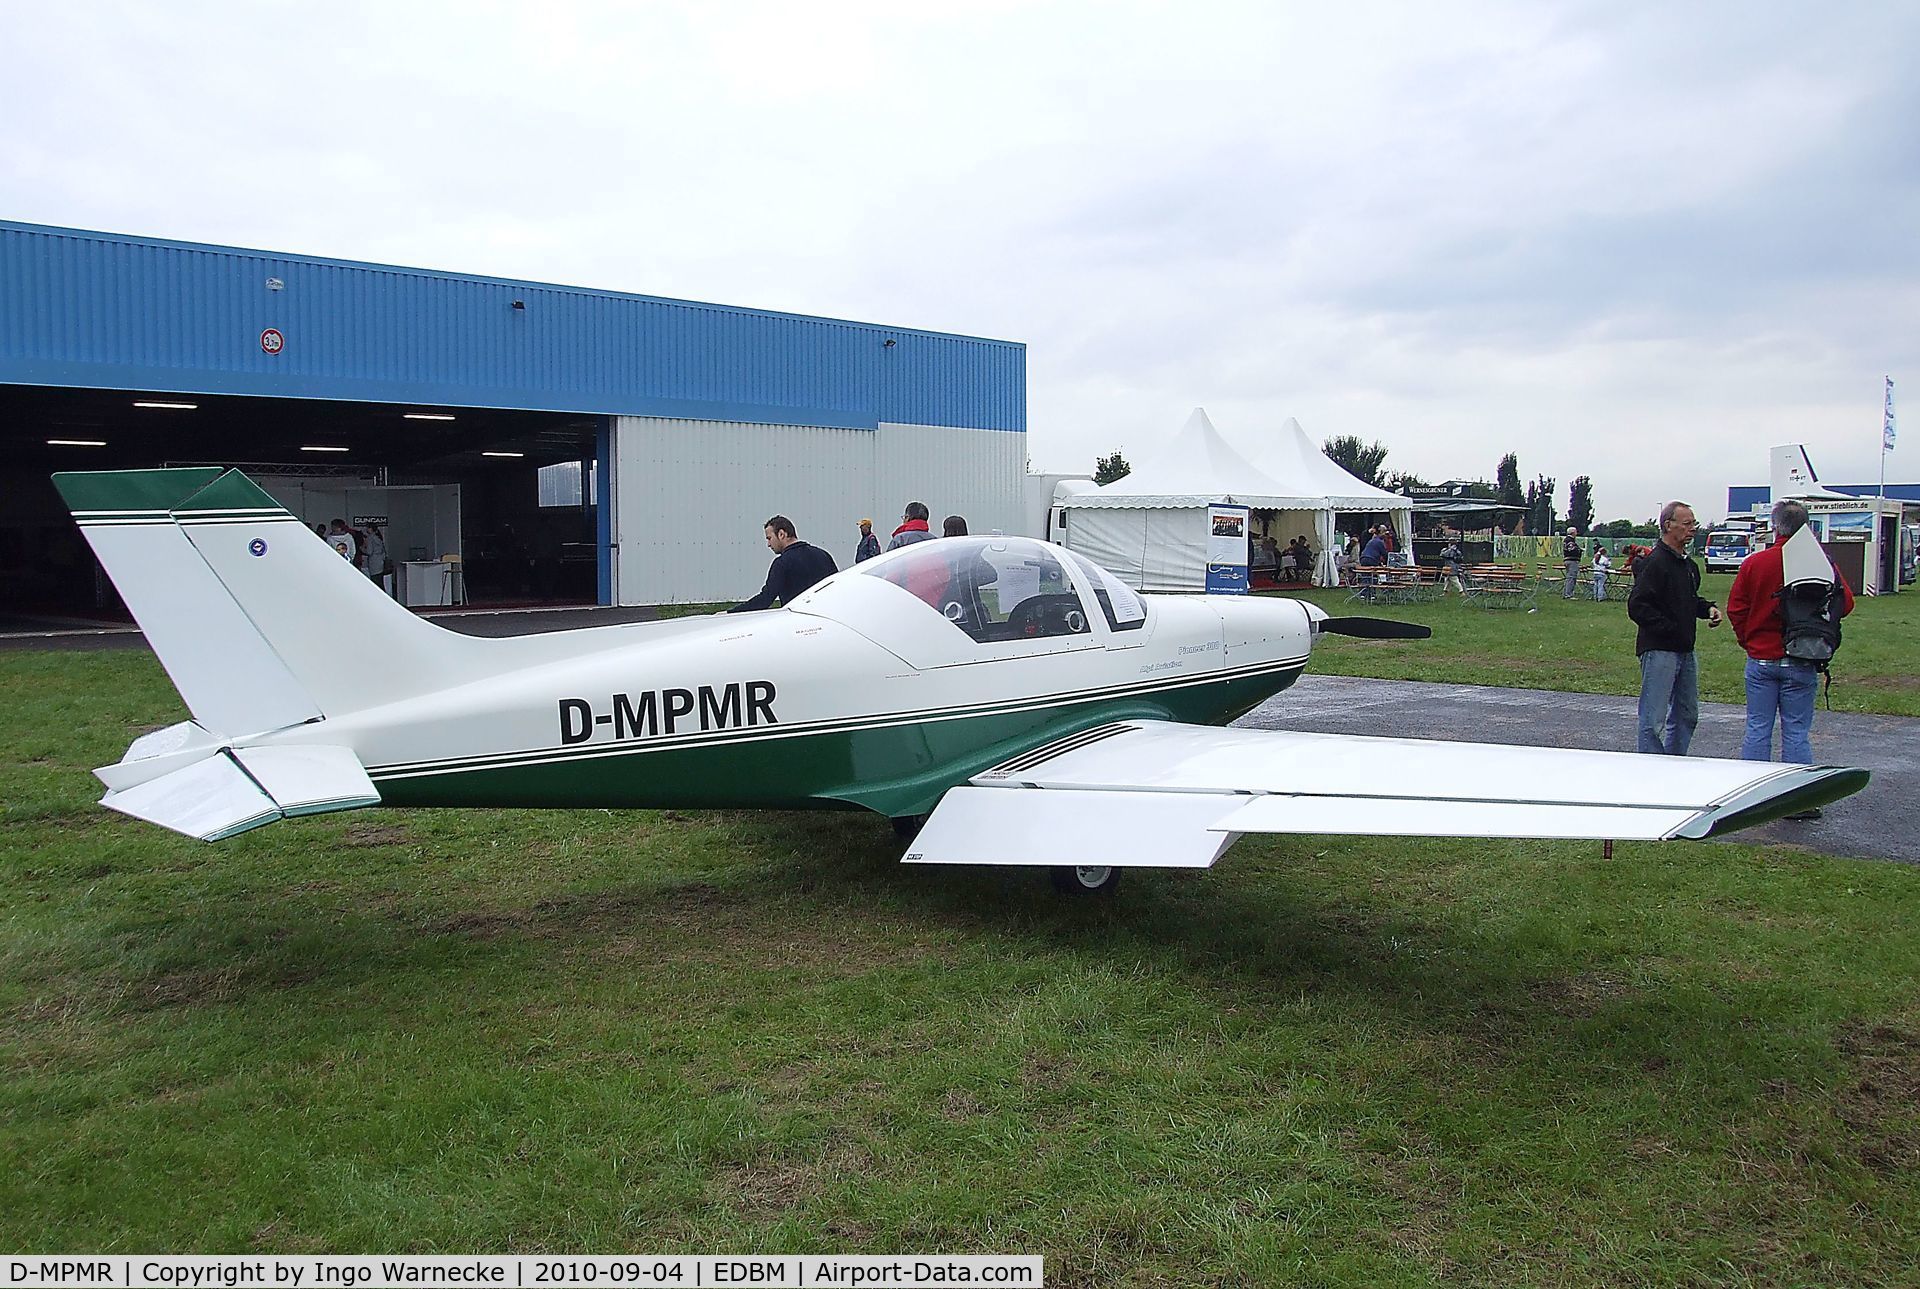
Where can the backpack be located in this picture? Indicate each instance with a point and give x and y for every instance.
(1810, 625)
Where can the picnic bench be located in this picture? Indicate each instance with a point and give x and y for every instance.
(1398, 584)
(1501, 586)
(1619, 583)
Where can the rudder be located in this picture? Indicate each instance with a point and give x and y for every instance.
(260, 623)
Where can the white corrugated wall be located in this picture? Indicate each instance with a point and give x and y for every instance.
(691, 496)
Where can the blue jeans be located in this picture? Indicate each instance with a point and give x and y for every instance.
(1786, 689)
(1599, 585)
(1573, 578)
(1669, 701)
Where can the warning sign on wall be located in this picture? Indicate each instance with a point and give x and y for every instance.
(271, 341)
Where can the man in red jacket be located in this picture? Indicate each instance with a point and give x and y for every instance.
(1776, 685)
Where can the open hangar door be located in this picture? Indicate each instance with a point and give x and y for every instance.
(460, 481)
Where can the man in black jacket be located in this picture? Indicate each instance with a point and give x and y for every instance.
(1570, 557)
(796, 566)
(1666, 603)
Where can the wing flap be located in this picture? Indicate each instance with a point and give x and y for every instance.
(1119, 829)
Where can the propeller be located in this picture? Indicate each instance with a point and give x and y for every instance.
(1375, 629)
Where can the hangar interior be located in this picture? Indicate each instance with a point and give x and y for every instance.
(568, 445)
(461, 481)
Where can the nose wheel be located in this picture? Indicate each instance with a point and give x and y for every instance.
(1086, 879)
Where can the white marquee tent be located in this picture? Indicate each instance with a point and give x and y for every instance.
(1150, 527)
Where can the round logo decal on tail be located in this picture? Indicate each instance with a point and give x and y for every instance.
(257, 547)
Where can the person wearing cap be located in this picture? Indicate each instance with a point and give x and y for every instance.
(869, 544)
(1570, 555)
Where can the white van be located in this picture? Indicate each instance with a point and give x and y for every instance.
(1726, 547)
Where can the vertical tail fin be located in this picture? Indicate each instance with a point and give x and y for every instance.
(1793, 475)
(259, 623)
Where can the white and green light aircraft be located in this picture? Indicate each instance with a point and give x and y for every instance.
(1030, 706)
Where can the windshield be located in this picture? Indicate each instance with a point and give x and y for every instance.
(991, 589)
(1727, 539)
(1125, 610)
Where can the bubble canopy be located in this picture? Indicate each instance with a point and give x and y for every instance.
(990, 593)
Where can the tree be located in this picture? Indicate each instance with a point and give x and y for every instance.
(1399, 481)
(1506, 484)
(1580, 503)
(1107, 469)
(1361, 460)
(1540, 505)
(1479, 488)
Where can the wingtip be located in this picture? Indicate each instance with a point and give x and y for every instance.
(1813, 787)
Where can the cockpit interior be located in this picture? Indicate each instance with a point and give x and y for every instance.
(1003, 589)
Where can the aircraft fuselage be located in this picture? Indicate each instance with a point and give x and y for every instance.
(797, 708)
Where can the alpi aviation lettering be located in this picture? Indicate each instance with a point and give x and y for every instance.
(1004, 699)
(670, 711)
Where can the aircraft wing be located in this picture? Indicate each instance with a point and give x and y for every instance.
(1160, 794)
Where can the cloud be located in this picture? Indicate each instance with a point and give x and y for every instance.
(1637, 241)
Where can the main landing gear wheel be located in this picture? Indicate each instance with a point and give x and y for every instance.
(1087, 879)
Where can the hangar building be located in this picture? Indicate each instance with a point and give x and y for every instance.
(566, 444)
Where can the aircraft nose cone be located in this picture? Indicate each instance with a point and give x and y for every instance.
(1265, 625)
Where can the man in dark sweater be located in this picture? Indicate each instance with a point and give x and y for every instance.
(796, 566)
(1666, 603)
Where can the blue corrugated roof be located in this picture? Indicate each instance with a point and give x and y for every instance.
(99, 310)
(1742, 498)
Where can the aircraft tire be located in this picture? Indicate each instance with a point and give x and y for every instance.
(1087, 880)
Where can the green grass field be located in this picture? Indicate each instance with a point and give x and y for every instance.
(1326, 1061)
(1587, 647)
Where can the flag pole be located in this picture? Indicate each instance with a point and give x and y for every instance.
(1886, 445)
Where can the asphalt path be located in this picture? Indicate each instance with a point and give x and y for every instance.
(1882, 821)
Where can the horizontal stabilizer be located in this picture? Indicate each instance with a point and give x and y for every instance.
(158, 753)
(230, 790)
(1374, 628)
(210, 799)
(309, 780)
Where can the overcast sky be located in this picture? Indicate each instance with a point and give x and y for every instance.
(1639, 242)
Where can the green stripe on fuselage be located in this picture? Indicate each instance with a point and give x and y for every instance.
(893, 769)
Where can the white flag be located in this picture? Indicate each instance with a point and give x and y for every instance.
(1886, 427)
